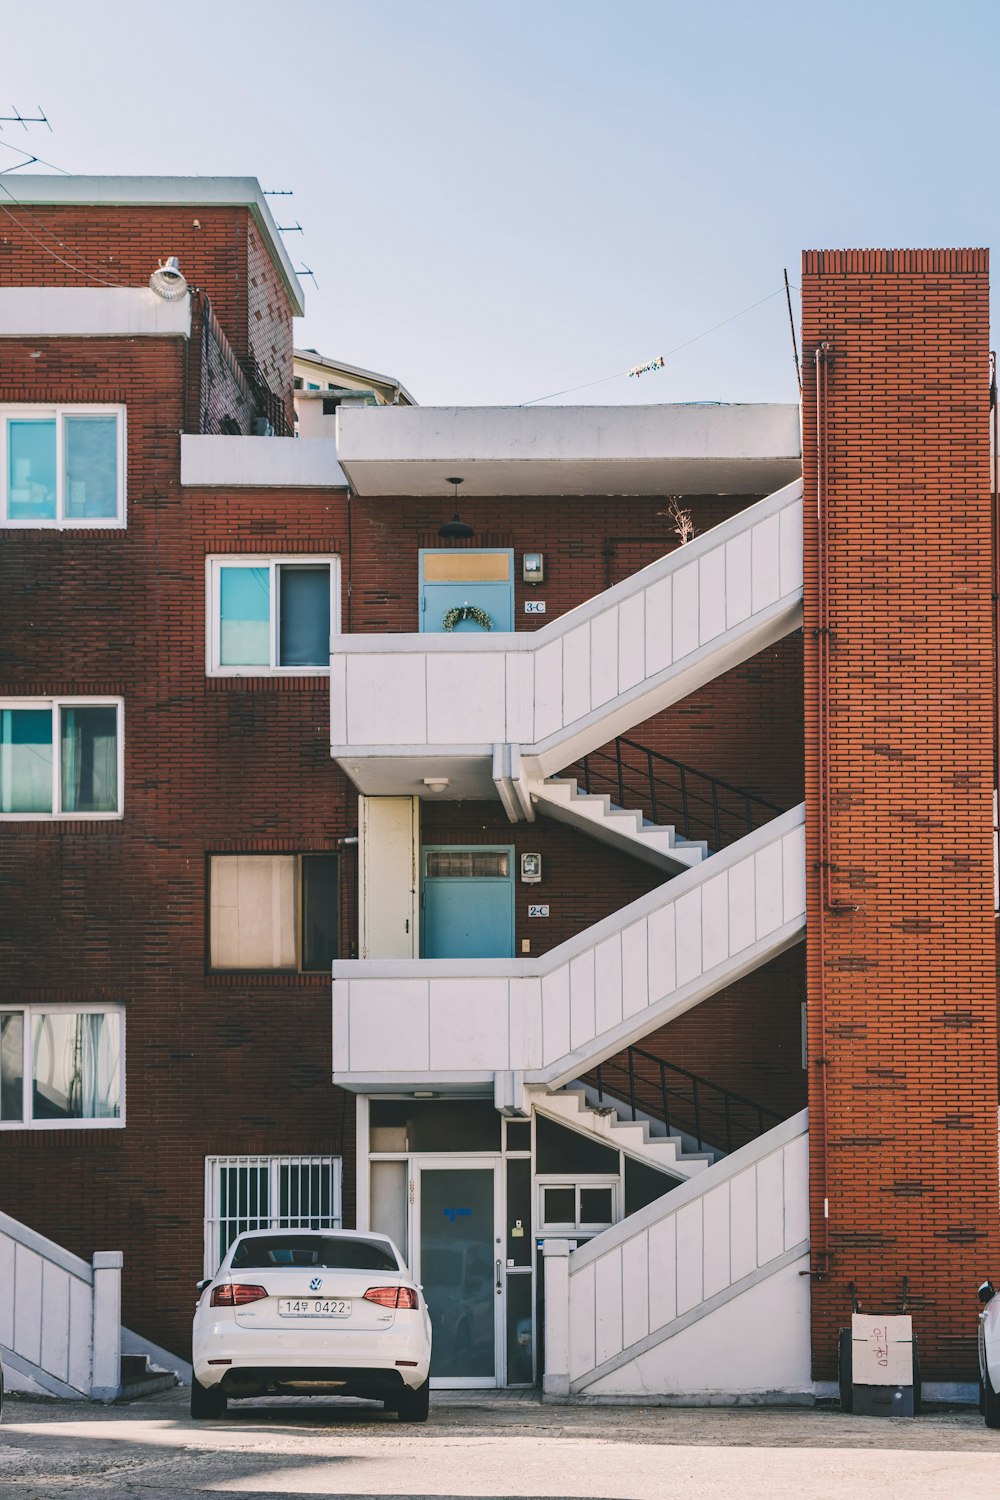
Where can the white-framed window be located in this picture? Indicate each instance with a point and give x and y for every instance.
(582, 1206)
(61, 757)
(274, 912)
(62, 1067)
(268, 1192)
(62, 466)
(269, 615)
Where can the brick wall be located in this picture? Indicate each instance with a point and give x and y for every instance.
(903, 999)
(220, 251)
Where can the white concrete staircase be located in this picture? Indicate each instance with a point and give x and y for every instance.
(500, 1023)
(484, 712)
(672, 1301)
(622, 828)
(570, 1107)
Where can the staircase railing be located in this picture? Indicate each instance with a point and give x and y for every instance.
(713, 1116)
(698, 806)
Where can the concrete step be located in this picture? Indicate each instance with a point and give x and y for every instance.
(623, 828)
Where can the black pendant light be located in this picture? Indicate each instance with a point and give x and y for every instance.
(455, 530)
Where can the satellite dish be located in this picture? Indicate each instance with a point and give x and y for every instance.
(167, 281)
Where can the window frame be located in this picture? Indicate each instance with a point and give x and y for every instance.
(54, 705)
(57, 412)
(35, 1008)
(299, 856)
(214, 564)
(578, 1185)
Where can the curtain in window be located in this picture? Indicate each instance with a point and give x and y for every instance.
(91, 459)
(76, 1066)
(12, 1065)
(31, 470)
(304, 616)
(89, 760)
(245, 607)
(26, 760)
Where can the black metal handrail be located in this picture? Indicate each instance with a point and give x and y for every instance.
(717, 1118)
(699, 806)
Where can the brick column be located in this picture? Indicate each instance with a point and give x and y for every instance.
(899, 758)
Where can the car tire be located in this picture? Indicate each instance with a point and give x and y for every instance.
(845, 1370)
(991, 1403)
(982, 1398)
(206, 1403)
(414, 1406)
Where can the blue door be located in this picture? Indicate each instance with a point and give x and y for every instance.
(457, 577)
(467, 903)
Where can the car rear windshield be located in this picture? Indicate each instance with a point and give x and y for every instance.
(333, 1253)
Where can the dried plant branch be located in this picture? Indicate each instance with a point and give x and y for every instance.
(681, 520)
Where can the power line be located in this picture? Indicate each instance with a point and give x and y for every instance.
(71, 265)
(587, 384)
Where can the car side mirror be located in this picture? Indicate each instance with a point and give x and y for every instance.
(201, 1285)
(986, 1292)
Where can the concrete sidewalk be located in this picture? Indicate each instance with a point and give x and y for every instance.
(506, 1446)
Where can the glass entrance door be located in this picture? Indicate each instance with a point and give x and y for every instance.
(458, 1263)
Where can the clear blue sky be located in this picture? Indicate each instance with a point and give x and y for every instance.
(505, 199)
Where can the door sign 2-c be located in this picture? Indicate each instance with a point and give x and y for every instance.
(538, 911)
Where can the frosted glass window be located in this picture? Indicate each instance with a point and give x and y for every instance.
(75, 1066)
(26, 760)
(245, 603)
(91, 459)
(304, 623)
(31, 470)
(89, 759)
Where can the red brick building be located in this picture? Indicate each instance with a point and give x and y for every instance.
(182, 859)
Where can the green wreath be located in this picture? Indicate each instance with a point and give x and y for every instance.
(466, 612)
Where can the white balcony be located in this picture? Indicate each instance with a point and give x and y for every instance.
(693, 449)
(406, 707)
(457, 1023)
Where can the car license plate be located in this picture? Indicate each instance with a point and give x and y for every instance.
(314, 1307)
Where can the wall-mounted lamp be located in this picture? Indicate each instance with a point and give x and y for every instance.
(436, 783)
(533, 567)
(455, 529)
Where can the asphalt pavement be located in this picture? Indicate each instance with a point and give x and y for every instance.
(490, 1444)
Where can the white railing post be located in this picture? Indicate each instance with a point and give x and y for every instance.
(106, 1376)
(555, 1380)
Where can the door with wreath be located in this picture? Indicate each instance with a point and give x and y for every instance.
(466, 589)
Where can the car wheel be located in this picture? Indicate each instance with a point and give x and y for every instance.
(982, 1398)
(845, 1370)
(991, 1402)
(206, 1403)
(414, 1406)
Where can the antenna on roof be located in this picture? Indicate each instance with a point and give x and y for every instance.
(278, 192)
(305, 271)
(295, 228)
(24, 120)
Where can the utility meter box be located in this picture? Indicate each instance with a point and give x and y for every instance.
(883, 1376)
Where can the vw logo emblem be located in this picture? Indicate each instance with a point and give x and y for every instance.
(316, 1283)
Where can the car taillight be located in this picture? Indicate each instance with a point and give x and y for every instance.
(403, 1297)
(235, 1295)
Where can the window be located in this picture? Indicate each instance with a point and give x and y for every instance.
(578, 1206)
(271, 614)
(62, 466)
(61, 1068)
(267, 1192)
(60, 758)
(274, 911)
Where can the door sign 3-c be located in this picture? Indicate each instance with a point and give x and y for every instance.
(457, 1213)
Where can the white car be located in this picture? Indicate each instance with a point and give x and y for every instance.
(989, 1355)
(312, 1312)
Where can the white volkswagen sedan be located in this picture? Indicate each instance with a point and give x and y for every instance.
(989, 1355)
(312, 1312)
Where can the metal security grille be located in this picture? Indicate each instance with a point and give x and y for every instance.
(268, 1192)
